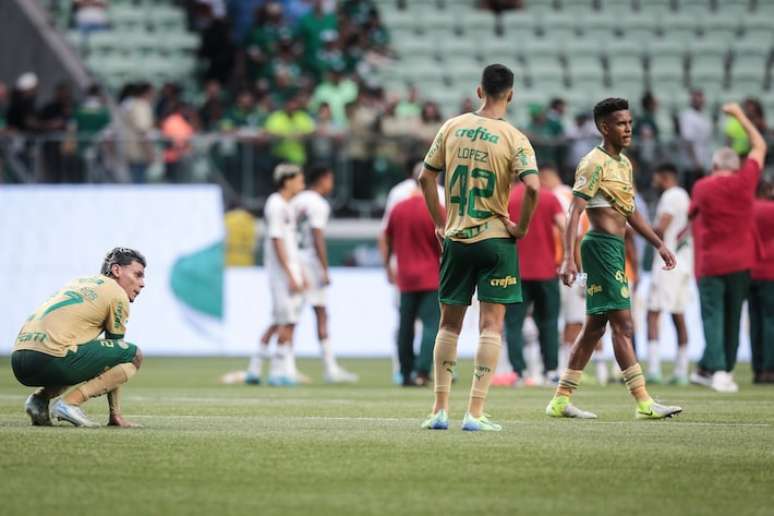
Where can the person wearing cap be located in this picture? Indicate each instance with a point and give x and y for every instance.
(286, 280)
(725, 251)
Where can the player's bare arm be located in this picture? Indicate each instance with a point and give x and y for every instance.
(532, 186)
(758, 145)
(428, 181)
(569, 267)
(322, 253)
(662, 224)
(282, 256)
(387, 255)
(638, 224)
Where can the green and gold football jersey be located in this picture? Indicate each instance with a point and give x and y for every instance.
(604, 180)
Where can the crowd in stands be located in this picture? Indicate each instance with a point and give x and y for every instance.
(291, 81)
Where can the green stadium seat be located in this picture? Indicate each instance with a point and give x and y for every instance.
(748, 74)
(640, 28)
(679, 27)
(706, 74)
(441, 21)
(499, 49)
(166, 18)
(584, 47)
(541, 49)
(708, 52)
(720, 27)
(576, 7)
(411, 44)
(734, 7)
(589, 80)
(758, 28)
(558, 23)
(599, 25)
(479, 23)
(456, 49)
(657, 49)
(541, 6)
(654, 6)
(584, 61)
(520, 23)
(694, 7)
(399, 20)
(744, 48)
(127, 18)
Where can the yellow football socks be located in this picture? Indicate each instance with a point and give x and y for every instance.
(487, 354)
(103, 383)
(568, 382)
(444, 359)
(635, 382)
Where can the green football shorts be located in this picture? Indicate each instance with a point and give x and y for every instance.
(491, 266)
(604, 260)
(36, 369)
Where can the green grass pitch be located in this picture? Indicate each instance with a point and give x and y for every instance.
(219, 450)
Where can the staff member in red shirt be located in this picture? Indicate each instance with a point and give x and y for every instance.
(722, 212)
(761, 302)
(410, 235)
(540, 283)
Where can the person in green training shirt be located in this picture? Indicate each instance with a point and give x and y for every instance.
(59, 344)
(604, 188)
(481, 153)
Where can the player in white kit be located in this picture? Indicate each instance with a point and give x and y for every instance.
(312, 212)
(670, 290)
(286, 280)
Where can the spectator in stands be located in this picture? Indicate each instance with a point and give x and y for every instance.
(736, 137)
(312, 26)
(725, 251)
(555, 115)
(212, 109)
(430, 121)
(3, 105)
(168, 99)
(337, 91)
(696, 132)
(59, 147)
(217, 46)
(498, 6)
(544, 134)
(178, 128)
(467, 106)
(287, 76)
(290, 126)
(92, 115)
(91, 15)
(243, 114)
(410, 106)
(376, 34)
(363, 119)
(139, 122)
(582, 137)
(761, 302)
(22, 113)
(646, 134)
(263, 40)
(326, 142)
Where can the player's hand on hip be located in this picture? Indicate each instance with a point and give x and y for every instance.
(568, 272)
(439, 234)
(670, 262)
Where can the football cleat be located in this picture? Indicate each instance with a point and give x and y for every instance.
(37, 409)
(560, 406)
(437, 421)
(72, 414)
(338, 374)
(652, 410)
(480, 424)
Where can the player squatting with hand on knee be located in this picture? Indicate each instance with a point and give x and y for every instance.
(604, 188)
(59, 344)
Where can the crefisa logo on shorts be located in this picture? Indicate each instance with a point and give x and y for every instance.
(503, 282)
(594, 289)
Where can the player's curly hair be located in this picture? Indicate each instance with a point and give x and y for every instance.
(609, 106)
(120, 256)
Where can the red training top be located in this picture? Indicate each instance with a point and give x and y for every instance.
(764, 222)
(723, 225)
(412, 233)
(537, 251)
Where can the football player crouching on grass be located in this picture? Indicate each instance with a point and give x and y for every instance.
(59, 344)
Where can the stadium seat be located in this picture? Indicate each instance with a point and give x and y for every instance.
(601, 26)
(707, 75)
(708, 52)
(558, 26)
(757, 28)
(413, 45)
(127, 18)
(618, 7)
(478, 23)
(748, 74)
(720, 27)
(735, 7)
(541, 6)
(679, 27)
(751, 49)
(694, 7)
(668, 72)
(546, 72)
(540, 49)
(395, 19)
(640, 28)
(656, 7)
(521, 23)
(497, 49)
(576, 7)
(444, 21)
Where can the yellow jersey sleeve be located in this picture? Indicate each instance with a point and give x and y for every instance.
(524, 161)
(435, 159)
(587, 178)
(118, 314)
